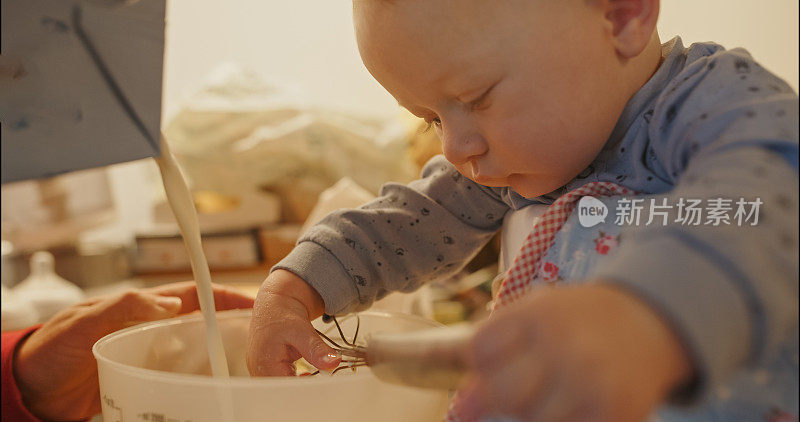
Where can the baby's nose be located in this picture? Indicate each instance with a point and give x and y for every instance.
(461, 145)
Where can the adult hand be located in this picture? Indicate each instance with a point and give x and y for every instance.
(281, 330)
(54, 367)
(589, 352)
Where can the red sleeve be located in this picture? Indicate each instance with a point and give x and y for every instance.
(13, 410)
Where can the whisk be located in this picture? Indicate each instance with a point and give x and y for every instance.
(353, 355)
(432, 358)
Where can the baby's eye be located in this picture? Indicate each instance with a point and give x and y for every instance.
(434, 122)
(481, 102)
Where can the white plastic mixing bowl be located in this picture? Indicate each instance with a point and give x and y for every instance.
(159, 371)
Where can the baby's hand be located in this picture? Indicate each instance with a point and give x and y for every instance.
(281, 331)
(591, 352)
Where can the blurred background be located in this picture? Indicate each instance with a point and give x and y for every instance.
(310, 44)
(275, 122)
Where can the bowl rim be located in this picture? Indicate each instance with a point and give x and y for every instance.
(234, 381)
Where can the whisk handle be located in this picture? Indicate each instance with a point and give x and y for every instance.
(433, 358)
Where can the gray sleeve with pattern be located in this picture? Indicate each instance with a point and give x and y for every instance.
(404, 238)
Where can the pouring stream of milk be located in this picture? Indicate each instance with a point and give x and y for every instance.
(183, 207)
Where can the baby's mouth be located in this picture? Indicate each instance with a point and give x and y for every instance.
(485, 179)
(495, 182)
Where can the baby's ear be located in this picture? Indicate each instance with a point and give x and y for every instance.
(631, 24)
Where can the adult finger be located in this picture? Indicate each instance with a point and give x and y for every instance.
(224, 297)
(127, 308)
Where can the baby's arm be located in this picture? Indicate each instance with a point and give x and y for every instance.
(409, 235)
(406, 237)
(729, 291)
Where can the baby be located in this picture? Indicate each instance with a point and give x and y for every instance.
(531, 100)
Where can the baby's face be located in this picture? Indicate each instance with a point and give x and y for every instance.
(521, 92)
